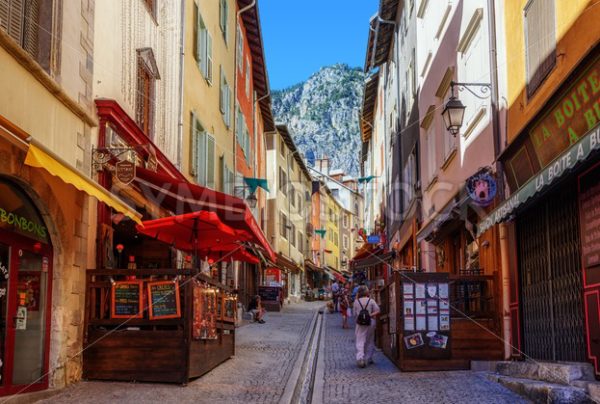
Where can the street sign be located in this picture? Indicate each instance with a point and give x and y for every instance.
(373, 239)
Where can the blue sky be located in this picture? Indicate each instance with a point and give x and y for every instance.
(301, 36)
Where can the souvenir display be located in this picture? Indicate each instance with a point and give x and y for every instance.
(205, 312)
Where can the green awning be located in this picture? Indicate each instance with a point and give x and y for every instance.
(562, 164)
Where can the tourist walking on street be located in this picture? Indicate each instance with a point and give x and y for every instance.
(365, 311)
(344, 301)
(335, 290)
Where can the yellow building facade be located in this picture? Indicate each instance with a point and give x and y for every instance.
(553, 81)
(208, 93)
(45, 105)
(332, 225)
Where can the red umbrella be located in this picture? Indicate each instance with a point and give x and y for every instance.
(202, 233)
(192, 231)
(235, 253)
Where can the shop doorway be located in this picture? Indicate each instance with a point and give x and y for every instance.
(551, 294)
(25, 293)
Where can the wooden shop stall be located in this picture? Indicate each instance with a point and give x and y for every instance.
(156, 325)
(438, 321)
(166, 325)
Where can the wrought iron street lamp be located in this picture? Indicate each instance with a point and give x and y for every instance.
(454, 110)
(251, 200)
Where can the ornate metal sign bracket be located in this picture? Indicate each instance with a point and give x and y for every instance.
(103, 155)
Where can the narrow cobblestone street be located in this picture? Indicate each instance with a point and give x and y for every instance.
(265, 359)
(381, 382)
(265, 356)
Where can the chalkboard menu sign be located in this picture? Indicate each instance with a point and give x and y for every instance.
(127, 300)
(589, 218)
(269, 293)
(163, 300)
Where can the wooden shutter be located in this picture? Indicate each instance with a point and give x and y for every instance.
(12, 14)
(201, 158)
(4, 14)
(30, 27)
(209, 59)
(223, 171)
(193, 146)
(210, 161)
(223, 18)
(221, 90)
(540, 42)
(197, 33)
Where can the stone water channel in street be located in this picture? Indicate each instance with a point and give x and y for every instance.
(274, 362)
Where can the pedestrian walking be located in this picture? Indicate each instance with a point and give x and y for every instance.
(335, 290)
(365, 311)
(345, 306)
(355, 290)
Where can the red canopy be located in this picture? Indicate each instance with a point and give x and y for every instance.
(235, 253)
(189, 232)
(184, 197)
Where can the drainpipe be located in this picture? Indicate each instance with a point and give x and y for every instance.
(181, 66)
(503, 228)
(235, 83)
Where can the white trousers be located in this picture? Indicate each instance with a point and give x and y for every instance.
(365, 341)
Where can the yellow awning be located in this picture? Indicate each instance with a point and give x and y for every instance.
(37, 157)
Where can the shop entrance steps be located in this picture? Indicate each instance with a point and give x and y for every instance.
(545, 382)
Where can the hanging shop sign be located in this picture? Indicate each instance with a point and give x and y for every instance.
(373, 239)
(481, 188)
(557, 168)
(125, 171)
(163, 300)
(127, 299)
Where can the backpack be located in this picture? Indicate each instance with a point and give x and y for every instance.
(364, 317)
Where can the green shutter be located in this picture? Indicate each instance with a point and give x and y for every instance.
(201, 158)
(221, 90)
(196, 33)
(210, 161)
(209, 59)
(193, 146)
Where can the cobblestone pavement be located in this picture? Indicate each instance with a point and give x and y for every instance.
(265, 357)
(383, 383)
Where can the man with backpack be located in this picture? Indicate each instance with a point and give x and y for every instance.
(365, 311)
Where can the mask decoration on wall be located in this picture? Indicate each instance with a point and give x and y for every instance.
(482, 188)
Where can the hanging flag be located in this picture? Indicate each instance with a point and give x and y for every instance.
(254, 183)
(321, 232)
(366, 179)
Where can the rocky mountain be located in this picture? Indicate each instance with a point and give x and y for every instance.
(322, 115)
